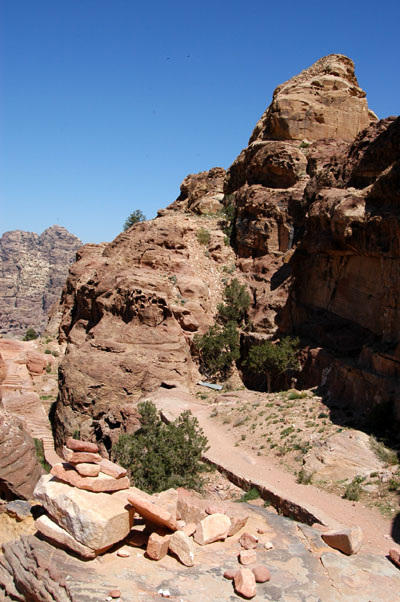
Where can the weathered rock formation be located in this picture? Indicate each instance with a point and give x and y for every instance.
(314, 218)
(33, 270)
(19, 468)
(131, 309)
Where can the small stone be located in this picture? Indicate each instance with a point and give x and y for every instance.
(247, 557)
(212, 528)
(189, 529)
(114, 593)
(81, 446)
(347, 541)
(245, 583)
(18, 509)
(164, 593)
(87, 470)
(74, 457)
(230, 574)
(248, 541)
(181, 524)
(262, 531)
(261, 574)
(182, 546)
(123, 554)
(157, 546)
(268, 545)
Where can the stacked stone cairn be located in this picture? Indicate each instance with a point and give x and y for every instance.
(91, 507)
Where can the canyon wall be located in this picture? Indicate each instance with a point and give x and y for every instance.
(33, 270)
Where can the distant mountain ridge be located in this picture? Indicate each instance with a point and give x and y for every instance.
(33, 270)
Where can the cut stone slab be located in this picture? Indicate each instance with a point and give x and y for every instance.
(112, 469)
(182, 546)
(347, 541)
(245, 583)
(157, 546)
(81, 446)
(152, 512)
(96, 520)
(87, 470)
(212, 528)
(74, 457)
(54, 532)
(67, 473)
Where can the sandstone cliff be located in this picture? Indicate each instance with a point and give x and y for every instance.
(315, 237)
(33, 270)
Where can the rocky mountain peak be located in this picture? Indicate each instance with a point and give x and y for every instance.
(33, 269)
(323, 101)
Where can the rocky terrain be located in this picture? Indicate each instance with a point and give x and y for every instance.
(33, 269)
(312, 209)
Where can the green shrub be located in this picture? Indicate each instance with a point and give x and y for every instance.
(203, 236)
(48, 368)
(47, 351)
(40, 454)
(229, 218)
(218, 348)
(252, 494)
(304, 478)
(30, 335)
(236, 303)
(160, 456)
(353, 489)
(273, 359)
(135, 217)
(389, 456)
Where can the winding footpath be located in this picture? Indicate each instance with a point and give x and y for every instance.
(306, 502)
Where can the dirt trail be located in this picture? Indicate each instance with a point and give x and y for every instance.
(330, 509)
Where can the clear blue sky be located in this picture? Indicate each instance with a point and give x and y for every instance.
(106, 105)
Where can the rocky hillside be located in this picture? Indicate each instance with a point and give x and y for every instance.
(315, 238)
(33, 270)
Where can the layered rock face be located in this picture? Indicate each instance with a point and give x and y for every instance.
(33, 270)
(131, 309)
(346, 285)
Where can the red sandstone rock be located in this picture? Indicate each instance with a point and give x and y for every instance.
(87, 470)
(261, 574)
(245, 583)
(36, 362)
(248, 541)
(114, 593)
(152, 512)
(19, 468)
(212, 528)
(394, 556)
(182, 546)
(189, 529)
(55, 533)
(230, 573)
(74, 457)
(214, 509)
(157, 546)
(247, 557)
(112, 469)
(81, 446)
(347, 541)
(68, 474)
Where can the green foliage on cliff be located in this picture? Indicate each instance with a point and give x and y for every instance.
(30, 335)
(273, 359)
(159, 456)
(236, 303)
(135, 217)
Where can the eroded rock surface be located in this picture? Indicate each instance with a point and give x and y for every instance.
(33, 270)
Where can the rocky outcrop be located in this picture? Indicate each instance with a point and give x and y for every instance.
(323, 101)
(130, 311)
(33, 270)
(201, 193)
(19, 468)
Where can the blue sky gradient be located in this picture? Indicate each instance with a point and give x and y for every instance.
(106, 105)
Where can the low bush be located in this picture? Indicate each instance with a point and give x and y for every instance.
(218, 348)
(30, 335)
(160, 456)
(203, 236)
